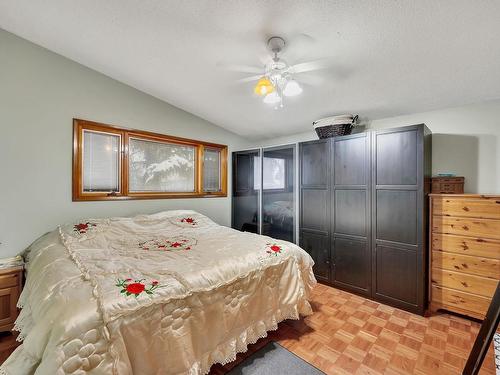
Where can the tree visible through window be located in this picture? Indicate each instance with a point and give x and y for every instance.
(158, 166)
(115, 163)
(274, 178)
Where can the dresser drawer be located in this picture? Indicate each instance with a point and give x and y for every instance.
(9, 280)
(477, 208)
(464, 282)
(447, 187)
(466, 245)
(461, 302)
(473, 265)
(466, 226)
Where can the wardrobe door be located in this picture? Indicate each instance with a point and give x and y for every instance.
(397, 209)
(350, 207)
(245, 199)
(314, 217)
(278, 192)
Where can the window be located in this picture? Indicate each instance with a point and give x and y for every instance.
(161, 167)
(212, 169)
(101, 162)
(274, 176)
(111, 163)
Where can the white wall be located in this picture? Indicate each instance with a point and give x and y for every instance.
(40, 93)
(466, 141)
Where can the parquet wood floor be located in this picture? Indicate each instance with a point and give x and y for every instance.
(348, 334)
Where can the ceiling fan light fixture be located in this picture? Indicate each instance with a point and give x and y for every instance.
(272, 98)
(292, 88)
(263, 86)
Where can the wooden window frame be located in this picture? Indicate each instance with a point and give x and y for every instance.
(125, 134)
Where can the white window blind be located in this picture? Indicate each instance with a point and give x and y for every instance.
(101, 162)
(161, 167)
(211, 170)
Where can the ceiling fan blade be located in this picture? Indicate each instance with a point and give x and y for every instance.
(241, 68)
(310, 66)
(249, 79)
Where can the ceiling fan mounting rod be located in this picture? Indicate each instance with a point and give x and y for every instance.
(276, 44)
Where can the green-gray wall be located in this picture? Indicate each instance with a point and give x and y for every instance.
(40, 93)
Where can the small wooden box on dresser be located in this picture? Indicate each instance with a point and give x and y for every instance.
(465, 252)
(11, 279)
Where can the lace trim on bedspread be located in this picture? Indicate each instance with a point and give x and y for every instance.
(234, 346)
(24, 323)
(226, 353)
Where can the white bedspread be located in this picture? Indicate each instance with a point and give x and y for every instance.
(169, 293)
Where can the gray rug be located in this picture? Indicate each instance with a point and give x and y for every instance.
(273, 359)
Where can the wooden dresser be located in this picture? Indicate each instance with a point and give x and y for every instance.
(465, 252)
(10, 288)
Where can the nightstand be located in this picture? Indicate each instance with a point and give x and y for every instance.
(11, 279)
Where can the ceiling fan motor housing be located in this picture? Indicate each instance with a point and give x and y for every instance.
(276, 44)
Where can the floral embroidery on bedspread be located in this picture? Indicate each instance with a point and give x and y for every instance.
(134, 264)
(168, 244)
(273, 249)
(185, 221)
(191, 221)
(85, 229)
(82, 228)
(131, 287)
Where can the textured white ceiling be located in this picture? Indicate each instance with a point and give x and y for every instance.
(389, 57)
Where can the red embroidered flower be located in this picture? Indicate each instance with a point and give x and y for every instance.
(188, 248)
(81, 227)
(167, 244)
(275, 248)
(135, 288)
(188, 220)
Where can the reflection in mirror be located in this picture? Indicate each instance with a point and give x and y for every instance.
(246, 168)
(278, 203)
(274, 178)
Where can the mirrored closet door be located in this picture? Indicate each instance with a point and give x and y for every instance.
(278, 192)
(246, 194)
(264, 193)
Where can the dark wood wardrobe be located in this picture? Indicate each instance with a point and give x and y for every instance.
(363, 213)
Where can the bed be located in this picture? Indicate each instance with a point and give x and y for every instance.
(280, 215)
(168, 293)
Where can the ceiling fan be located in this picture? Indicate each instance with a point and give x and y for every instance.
(276, 80)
